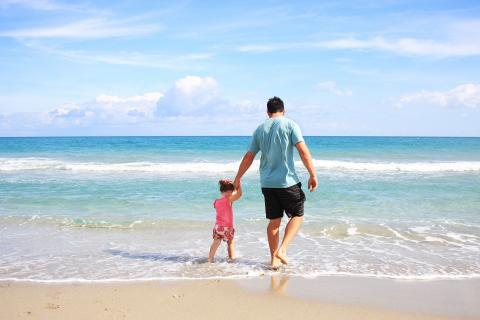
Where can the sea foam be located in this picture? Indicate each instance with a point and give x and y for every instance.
(41, 164)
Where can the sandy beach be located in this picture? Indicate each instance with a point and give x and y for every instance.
(266, 298)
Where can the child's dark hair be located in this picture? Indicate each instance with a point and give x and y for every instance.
(226, 185)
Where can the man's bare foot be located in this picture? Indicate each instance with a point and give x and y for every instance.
(282, 256)
(275, 266)
(275, 263)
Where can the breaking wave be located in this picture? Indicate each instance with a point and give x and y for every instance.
(41, 164)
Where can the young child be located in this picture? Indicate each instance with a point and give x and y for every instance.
(223, 229)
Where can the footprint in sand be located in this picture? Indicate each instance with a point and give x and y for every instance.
(52, 306)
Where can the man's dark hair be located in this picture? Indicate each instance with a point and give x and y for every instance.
(274, 105)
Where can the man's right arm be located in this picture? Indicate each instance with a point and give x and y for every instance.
(308, 163)
(244, 165)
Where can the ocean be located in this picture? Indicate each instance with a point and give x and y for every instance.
(139, 208)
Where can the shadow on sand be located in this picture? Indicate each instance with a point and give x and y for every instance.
(156, 256)
(180, 258)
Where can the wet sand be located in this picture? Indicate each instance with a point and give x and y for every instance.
(277, 297)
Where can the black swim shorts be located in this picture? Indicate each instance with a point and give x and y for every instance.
(278, 200)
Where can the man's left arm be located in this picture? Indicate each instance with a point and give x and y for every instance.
(308, 163)
(299, 143)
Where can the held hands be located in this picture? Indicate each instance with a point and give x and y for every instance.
(312, 183)
(237, 193)
(236, 183)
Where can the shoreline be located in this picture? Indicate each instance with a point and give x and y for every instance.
(333, 297)
(253, 277)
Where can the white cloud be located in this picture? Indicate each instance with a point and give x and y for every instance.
(52, 5)
(196, 106)
(258, 48)
(105, 109)
(45, 5)
(264, 48)
(187, 61)
(192, 104)
(178, 62)
(200, 96)
(465, 95)
(461, 46)
(331, 86)
(408, 46)
(189, 95)
(147, 97)
(67, 111)
(93, 28)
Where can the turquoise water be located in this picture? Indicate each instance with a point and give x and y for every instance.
(102, 208)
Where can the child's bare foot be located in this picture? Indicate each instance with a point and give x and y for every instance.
(232, 259)
(282, 256)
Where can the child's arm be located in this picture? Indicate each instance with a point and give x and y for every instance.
(237, 194)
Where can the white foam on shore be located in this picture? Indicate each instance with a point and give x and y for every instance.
(455, 166)
(41, 164)
(313, 275)
(351, 249)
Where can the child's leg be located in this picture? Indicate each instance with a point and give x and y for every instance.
(213, 249)
(231, 249)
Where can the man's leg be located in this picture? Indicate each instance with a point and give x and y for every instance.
(273, 230)
(290, 231)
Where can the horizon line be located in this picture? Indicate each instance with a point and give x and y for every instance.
(208, 136)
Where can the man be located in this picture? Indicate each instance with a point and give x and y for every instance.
(281, 188)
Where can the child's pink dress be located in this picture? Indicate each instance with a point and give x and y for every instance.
(224, 221)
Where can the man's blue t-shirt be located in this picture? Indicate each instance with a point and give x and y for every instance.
(276, 138)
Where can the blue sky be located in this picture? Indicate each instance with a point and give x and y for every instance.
(208, 68)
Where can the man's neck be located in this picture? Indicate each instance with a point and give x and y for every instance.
(276, 115)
